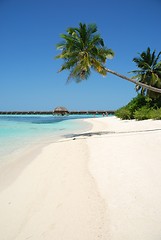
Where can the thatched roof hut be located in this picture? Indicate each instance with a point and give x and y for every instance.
(60, 110)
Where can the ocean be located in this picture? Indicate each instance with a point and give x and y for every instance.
(18, 132)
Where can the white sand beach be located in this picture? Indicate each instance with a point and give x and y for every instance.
(104, 184)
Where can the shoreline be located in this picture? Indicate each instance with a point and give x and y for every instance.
(15, 145)
(20, 158)
(54, 197)
(102, 184)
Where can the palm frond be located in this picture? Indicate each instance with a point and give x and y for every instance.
(149, 71)
(156, 59)
(82, 48)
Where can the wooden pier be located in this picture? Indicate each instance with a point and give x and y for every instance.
(52, 112)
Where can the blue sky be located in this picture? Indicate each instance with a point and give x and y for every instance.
(30, 30)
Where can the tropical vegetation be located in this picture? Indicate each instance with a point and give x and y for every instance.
(148, 72)
(148, 103)
(83, 50)
(141, 107)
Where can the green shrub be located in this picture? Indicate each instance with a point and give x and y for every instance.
(127, 112)
(155, 114)
(141, 108)
(142, 113)
(137, 103)
(123, 113)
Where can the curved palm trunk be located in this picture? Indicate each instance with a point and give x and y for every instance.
(158, 90)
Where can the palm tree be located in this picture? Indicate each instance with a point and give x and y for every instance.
(149, 72)
(82, 49)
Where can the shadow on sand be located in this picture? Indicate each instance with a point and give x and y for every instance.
(90, 134)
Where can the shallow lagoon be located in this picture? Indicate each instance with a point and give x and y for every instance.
(21, 131)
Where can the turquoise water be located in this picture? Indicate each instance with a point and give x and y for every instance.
(20, 131)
